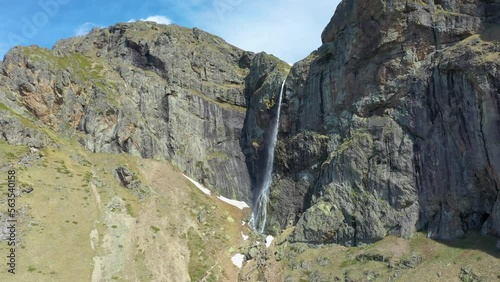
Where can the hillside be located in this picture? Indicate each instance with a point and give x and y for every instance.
(77, 221)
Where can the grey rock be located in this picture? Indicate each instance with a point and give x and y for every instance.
(412, 262)
(323, 261)
(371, 275)
(372, 257)
(398, 108)
(467, 275)
(27, 190)
(253, 253)
(17, 130)
(124, 175)
(129, 180)
(29, 158)
(316, 276)
(305, 265)
(202, 216)
(154, 91)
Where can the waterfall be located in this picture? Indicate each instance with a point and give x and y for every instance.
(259, 213)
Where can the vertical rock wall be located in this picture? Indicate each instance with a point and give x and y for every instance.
(392, 125)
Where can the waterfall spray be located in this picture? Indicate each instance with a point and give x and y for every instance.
(259, 213)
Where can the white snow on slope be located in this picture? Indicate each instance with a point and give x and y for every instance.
(245, 237)
(203, 189)
(239, 204)
(238, 260)
(269, 240)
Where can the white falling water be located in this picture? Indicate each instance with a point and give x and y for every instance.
(259, 213)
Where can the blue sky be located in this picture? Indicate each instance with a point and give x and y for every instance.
(289, 29)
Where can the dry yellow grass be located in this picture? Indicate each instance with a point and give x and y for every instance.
(80, 224)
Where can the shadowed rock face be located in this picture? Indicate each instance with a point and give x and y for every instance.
(392, 126)
(155, 91)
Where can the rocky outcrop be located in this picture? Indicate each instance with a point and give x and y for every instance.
(16, 130)
(155, 91)
(392, 125)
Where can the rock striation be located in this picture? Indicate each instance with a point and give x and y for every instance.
(155, 91)
(392, 125)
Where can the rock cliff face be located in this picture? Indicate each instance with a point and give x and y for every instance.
(392, 126)
(155, 91)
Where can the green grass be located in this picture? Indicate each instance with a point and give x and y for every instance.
(221, 156)
(474, 251)
(64, 206)
(283, 67)
(91, 71)
(155, 229)
(25, 121)
(198, 263)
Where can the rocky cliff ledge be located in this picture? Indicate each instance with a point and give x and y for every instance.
(392, 126)
(155, 91)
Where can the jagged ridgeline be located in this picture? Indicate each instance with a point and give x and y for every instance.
(156, 91)
(389, 128)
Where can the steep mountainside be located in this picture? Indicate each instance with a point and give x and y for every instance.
(392, 126)
(155, 91)
(76, 221)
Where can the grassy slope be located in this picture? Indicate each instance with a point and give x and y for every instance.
(149, 235)
(441, 261)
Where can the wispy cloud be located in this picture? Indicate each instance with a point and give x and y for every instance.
(156, 19)
(85, 28)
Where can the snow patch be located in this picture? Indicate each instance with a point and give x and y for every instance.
(238, 260)
(269, 240)
(245, 237)
(199, 186)
(239, 204)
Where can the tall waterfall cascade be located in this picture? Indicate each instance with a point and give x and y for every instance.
(259, 212)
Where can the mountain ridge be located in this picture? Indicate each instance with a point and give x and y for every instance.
(95, 81)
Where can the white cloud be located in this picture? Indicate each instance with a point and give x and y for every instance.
(156, 19)
(85, 28)
(289, 29)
